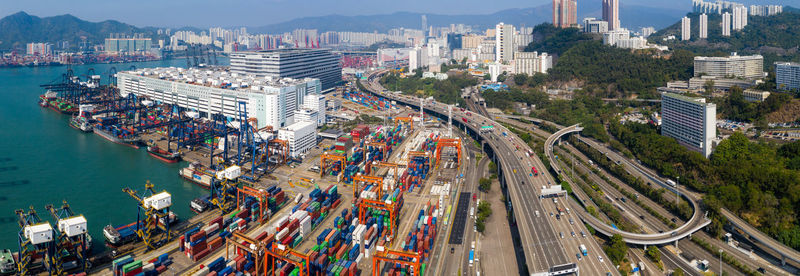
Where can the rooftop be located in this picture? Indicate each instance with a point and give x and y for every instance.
(701, 101)
(284, 51)
(219, 77)
(299, 125)
(789, 63)
(729, 58)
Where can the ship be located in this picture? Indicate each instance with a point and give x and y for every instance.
(45, 99)
(163, 155)
(124, 234)
(62, 107)
(200, 204)
(197, 173)
(117, 135)
(80, 123)
(8, 265)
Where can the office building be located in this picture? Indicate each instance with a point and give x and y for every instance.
(739, 17)
(733, 66)
(592, 25)
(301, 137)
(504, 42)
(565, 13)
(290, 63)
(127, 45)
(686, 28)
(271, 101)
(703, 26)
(454, 41)
(647, 31)
(531, 63)
(691, 121)
(611, 13)
(305, 114)
(471, 41)
(726, 24)
(424, 23)
(316, 102)
(787, 75)
(39, 49)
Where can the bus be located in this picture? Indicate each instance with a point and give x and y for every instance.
(471, 257)
(671, 183)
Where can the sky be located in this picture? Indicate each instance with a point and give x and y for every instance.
(228, 13)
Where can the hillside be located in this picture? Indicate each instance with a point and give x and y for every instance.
(776, 37)
(21, 28)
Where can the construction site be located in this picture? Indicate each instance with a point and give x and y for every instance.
(374, 201)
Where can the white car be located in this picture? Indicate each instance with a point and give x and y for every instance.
(600, 258)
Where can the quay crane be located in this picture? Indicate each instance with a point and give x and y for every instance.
(72, 240)
(153, 216)
(35, 240)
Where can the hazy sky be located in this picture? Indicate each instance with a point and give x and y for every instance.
(205, 13)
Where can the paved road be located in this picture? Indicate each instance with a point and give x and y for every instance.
(540, 237)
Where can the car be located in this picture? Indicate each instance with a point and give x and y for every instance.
(551, 214)
(572, 222)
(573, 234)
(762, 270)
(583, 234)
(578, 255)
(600, 258)
(558, 217)
(452, 250)
(641, 216)
(561, 234)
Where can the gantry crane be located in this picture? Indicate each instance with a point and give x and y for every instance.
(379, 145)
(393, 166)
(415, 261)
(260, 195)
(278, 148)
(393, 208)
(35, 238)
(280, 252)
(408, 120)
(152, 217)
(327, 160)
(359, 178)
(444, 143)
(223, 194)
(412, 154)
(72, 238)
(255, 247)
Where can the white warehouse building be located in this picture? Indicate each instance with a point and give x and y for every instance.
(271, 101)
(301, 136)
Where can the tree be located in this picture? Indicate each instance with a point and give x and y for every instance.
(677, 272)
(709, 87)
(616, 249)
(653, 254)
(520, 79)
(484, 184)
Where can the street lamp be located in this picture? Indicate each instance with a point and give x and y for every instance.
(720, 262)
(677, 193)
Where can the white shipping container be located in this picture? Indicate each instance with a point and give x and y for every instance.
(148, 267)
(282, 234)
(211, 228)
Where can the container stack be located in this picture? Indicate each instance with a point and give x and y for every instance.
(200, 241)
(127, 266)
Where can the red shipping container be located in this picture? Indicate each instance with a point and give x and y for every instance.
(212, 273)
(161, 269)
(353, 269)
(134, 272)
(200, 255)
(197, 236)
(217, 220)
(262, 235)
(269, 238)
(183, 242)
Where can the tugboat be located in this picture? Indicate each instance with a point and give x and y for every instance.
(197, 173)
(80, 123)
(8, 265)
(163, 155)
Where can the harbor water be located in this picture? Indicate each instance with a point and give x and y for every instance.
(44, 161)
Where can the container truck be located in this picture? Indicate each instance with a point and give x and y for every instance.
(583, 250)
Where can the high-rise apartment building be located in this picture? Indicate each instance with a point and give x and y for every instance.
(39, 49)
(787, 75)
(127, 45)
(686, 28)
(726, 24)
(733, 66)
(424, 24)
(565, 13)
(647, 31)
(531, 63)
(703, 26)
(504, 42)
(290, 63)
(691, 121)
(611, 13)
(739, 17)
(271, 101)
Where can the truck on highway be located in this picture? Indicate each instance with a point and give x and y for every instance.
(671, 183)
(583, 250)
(471, 257)
(534, 171)
(464, 119)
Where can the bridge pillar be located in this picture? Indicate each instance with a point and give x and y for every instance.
(676, 246)
(783, 260)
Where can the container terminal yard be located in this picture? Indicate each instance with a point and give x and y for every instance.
(377, 200)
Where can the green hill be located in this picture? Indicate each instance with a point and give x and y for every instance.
(776, 37)
(21, 28)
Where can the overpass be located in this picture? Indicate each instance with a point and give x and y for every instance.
(694, 224)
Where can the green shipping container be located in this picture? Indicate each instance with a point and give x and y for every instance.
(131, 266)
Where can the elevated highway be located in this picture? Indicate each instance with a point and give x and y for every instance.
(694, 224)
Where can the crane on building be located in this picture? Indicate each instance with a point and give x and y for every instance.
(72, 241)
(35, 239)
(153, 215)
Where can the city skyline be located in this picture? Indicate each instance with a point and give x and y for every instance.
(243, 13)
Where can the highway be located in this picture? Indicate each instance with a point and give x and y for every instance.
(540, 235)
